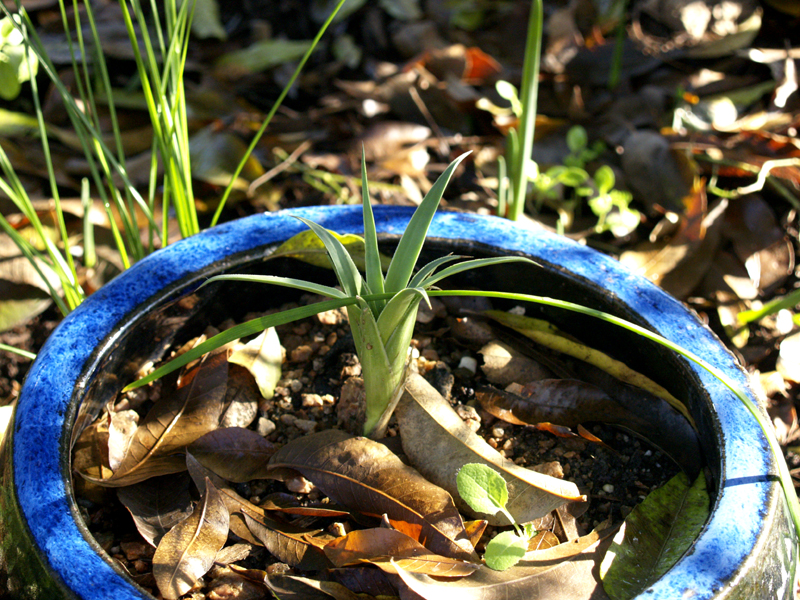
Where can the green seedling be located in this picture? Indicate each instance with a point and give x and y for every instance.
(485, 491)
(15, 68)
(382, 310)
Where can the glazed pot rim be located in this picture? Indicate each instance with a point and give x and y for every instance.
(40, 467)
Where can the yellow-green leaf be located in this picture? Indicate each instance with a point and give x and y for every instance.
(654, 536)
(548, 335)
(261, 356)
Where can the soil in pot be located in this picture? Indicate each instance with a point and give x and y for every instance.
(275, 536)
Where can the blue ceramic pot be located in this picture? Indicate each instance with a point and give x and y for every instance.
(745, 551)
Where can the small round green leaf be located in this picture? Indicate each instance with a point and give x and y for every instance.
(604, 179)
(482, 488)
(505, 550)
(577, 139)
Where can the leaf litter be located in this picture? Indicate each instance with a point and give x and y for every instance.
(351, 502)
(750, 78)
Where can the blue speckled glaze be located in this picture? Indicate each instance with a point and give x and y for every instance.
(40, 432)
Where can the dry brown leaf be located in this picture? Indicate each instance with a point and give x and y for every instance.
(175, 421)
(366, 476)
(187, 552)
(563, 572)
(236, 454)
(386, 547)
(438, 443)
(251, 523)
(158, 504)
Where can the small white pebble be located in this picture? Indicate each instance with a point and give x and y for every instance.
(299, 485)
(468, 363)
(784, 322)
(498, 432)
(311, 400)
(296, 385)
(608, 488)
(517, 310)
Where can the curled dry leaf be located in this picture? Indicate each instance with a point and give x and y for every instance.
(187, 552)
(175, 421)
(366, 476)
(384, 548)
(569, 402)
(438, 443)
(158, 504)
(261, 356)
(291, 545)
(563, 572)
(546, 334)
(236, 454)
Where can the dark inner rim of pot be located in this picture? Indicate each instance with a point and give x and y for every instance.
(177, 317)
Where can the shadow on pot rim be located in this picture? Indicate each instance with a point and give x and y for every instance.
(734, 556)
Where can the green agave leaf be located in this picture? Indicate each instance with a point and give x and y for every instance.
(407, 253)
(654, 536)
(244, 329)
(472, 264)
(343, 265)
(396, 310)
(372, 256)
(298, 284)
(381, 376)
(419, 279)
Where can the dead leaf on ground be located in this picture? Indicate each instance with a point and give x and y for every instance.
(439, 443)
(187, 552)
(384, 548)
(158, 504)
(548, 335)
(563, 572)
(250, 522)
(569, 403)
(236, 454)
(366, 476)
(176, 420)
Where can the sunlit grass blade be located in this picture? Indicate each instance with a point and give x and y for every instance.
(89, 251)
(410, 245)
(20, 351)
(33, 256)
(790, 300)
(273, 110)
(343, 265)
(471, 264)
(239, 331)
(530, 93)
(298, 284)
